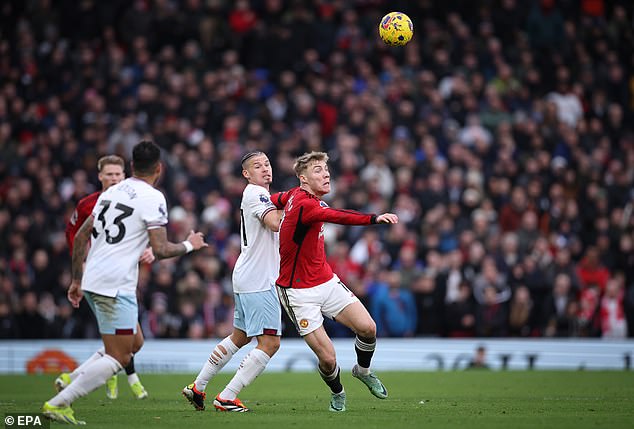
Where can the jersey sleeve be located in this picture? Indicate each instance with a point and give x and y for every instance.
(279, 199)
(258, 202)
(318, 211)
(77, 219)
(154, 211)
(71, 229)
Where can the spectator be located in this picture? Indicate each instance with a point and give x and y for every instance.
(29, 321)
(124, 137)
(339, 259)
(491, 315)
(429, 304)
(378, 171)
(453, 278)
(588, 314)
(521, 313)
(8, 325)
(591, 272)
(479, 360)
(563, 264)
(393, 308)
(490, 278)
(460, 314)
(408, 264)
(569, 109)
(545, 25)
(511, 213)
(556, 319)
(612, 311)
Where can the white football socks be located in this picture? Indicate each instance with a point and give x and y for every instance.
(94, 375)
(362, 371)
(252, 366)
(217, 360)
(81, 368)
(133, 378)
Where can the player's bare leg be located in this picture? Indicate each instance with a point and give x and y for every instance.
(356, 317)
(329, 370)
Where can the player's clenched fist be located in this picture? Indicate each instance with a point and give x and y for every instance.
(387, 218)
(197, 240)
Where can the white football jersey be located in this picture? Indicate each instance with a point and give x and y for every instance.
(122, 216)
(258, 265)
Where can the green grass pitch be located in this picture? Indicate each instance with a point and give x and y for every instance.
(469, 399)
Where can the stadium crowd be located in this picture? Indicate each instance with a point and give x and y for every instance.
(501, 136)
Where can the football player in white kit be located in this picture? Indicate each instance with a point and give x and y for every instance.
(257, 309)
(126, 216)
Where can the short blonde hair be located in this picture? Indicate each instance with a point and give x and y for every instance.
(301, 163)
(110, 160)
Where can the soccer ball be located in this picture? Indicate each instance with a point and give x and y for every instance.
(396, 29)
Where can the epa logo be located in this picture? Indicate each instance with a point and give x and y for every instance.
(25, 421)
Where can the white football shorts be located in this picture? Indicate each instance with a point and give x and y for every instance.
(306, 307)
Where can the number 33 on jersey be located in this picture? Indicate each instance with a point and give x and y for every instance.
(122, 216)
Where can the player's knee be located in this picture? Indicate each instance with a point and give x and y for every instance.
(274, 345)
(270, 344)
(367, 329)
(328, 362)
(239, 339)
(271, 349)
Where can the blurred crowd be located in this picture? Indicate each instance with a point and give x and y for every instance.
(501, 135)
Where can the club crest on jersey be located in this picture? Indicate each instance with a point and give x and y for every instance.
(264, 198)
(303, 323)
(323, 204)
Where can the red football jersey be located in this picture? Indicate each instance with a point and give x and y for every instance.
(81, 213)
(302, 253)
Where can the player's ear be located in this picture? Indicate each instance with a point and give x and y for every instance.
(245, 174)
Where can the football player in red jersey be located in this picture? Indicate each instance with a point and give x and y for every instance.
(308, 288)
(111, 171)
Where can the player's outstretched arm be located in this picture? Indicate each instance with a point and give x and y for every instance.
(163, 248)
(345, 217)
